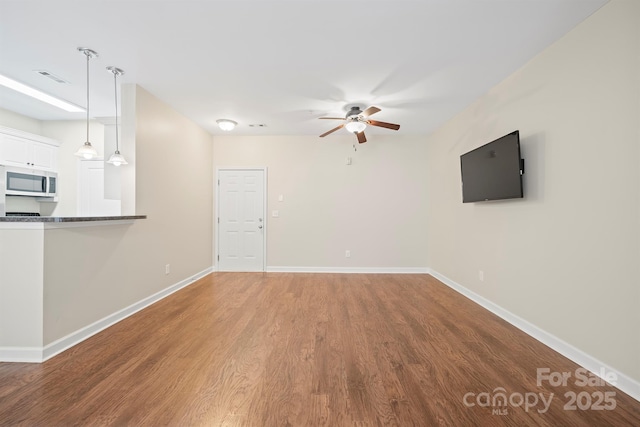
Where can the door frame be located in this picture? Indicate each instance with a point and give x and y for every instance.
(216, 223)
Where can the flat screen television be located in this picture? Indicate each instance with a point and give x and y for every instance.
(493, 171)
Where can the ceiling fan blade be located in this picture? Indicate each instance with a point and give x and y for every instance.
(331, 131)
(384, 124)
(370, 111)
(332, 118)
(361, 137)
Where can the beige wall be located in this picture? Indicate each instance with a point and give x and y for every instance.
(18, 121)
(376, 207)
(567, 257)
(91, 272)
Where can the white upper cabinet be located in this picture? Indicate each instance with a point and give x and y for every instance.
(26, 150)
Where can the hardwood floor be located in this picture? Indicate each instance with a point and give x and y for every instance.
(306, 350)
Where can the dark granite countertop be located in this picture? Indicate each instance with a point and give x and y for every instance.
(69, 218)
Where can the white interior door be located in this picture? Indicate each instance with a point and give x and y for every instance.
(241, 221)
(91, 200)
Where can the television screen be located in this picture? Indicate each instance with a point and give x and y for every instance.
(493, 171)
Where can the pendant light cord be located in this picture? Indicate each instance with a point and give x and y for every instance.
(88, 57)
(115, 90)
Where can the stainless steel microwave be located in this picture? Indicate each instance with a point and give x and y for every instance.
(29, 182)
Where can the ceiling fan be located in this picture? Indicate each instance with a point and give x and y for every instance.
(357, 120)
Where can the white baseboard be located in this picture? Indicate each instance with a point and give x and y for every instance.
(80, 335)
(21, 354)
(625, 383)
(40, 354)
(355, 270)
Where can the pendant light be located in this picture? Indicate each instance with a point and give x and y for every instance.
(116, 158)
(87, 151)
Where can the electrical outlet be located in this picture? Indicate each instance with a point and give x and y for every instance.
(481, 275)
(167, 269)
(347, 254)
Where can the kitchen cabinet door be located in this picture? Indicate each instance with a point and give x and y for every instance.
(25, 153)
(43, 156)
(14, 151)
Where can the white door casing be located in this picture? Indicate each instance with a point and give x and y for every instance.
(241, 219)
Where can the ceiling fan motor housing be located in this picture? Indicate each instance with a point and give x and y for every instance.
(354, 111)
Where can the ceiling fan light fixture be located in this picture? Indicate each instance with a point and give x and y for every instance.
(226, 124)
(356, 122)
(355, 126)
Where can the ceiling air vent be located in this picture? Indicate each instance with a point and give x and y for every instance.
(258, 125)
(51, 76)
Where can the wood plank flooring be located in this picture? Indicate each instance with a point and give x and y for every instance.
(243, 349)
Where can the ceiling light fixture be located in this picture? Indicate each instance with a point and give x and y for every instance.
(355, 126)
(226, 124)
(116, 158)
(39, 95)
(87, 151)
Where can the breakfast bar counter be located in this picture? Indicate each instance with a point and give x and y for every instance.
(61, 275)
(70, 218)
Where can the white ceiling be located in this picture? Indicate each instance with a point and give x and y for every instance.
(279, 63)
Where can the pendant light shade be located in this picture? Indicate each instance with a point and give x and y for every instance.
(87, 151)
(116, 158)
